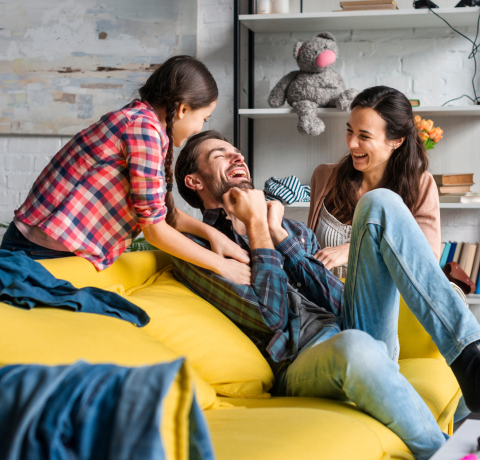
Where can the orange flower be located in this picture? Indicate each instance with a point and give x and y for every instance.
(428, 125)
(423, 136)
(417, 118)
(435, 134)
(421, 125)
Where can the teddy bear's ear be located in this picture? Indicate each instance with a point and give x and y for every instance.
(326, 35)
(296, 49)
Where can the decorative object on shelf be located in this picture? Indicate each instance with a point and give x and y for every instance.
(457, 275)
(455, 188)
(287, 190)
(315, 85)
(463, 3)
(362, 5)
(427, 133)
(281, 6)
(424, 4)
(415, 102)
(264, 6)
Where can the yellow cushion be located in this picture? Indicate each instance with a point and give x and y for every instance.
(130, 269)
(224, 356)
(53, 337)
(287, 434)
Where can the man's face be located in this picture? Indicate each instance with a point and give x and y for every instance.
(221, 167)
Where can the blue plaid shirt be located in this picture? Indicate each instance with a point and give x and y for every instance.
(261, 310)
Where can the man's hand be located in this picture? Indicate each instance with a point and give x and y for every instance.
(250, 208)
(334, 256)
(274, 217)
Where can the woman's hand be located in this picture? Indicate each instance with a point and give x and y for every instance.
(234, 271)
(334, 256)
(225, 247)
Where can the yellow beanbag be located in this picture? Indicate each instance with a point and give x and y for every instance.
(53, 337)
(225, 357)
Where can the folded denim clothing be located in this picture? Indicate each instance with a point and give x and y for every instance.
(25, 283)
(288, 190)
(94, 412)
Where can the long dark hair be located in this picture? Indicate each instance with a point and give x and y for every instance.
(179, 80)
(405, 166)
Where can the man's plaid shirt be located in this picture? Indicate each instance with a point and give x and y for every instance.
(261, 309)
(101, 189)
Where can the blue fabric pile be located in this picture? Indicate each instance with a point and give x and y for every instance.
(27, 284)
(287, 190)
(90, 412)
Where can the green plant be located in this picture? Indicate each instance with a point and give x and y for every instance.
(141, 244)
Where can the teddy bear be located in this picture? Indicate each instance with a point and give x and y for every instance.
(315, 85)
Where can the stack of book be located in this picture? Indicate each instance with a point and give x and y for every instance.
(362, 5)
(455, 188)
(466, 255)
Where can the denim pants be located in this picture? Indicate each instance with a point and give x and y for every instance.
(13, 240)
(353, 359)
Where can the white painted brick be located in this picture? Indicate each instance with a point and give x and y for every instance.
(33, 145)
(430, 85)
(8, 198)
(40, 163)
(3, 145)
(6, 214)
(18, 162)
(355, 50)
(362, 83)
(19, 181)
(401, 82)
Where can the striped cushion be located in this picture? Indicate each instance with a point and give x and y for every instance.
(288, 190)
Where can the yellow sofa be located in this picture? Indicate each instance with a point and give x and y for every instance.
(230, 376)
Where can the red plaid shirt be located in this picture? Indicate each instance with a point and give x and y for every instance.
(101, 189)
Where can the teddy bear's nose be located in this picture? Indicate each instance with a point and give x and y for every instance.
(325, 58)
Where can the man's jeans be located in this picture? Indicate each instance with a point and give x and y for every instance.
(353, 360)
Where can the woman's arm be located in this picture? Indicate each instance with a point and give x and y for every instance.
(169, 240)
(219, 243)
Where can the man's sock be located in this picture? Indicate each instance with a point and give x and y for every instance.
(467, 371)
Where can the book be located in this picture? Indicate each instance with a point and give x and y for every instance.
(476, 265)
(458, 251)
(463, 256)
(415, 102)
(446, 251)
(441, 249)
(477, 284)
(369, 7)
(454, 188)
(470, 257)
(459, 199)
(453, 179)
(451, 253)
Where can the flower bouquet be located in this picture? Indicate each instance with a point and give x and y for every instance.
(427, 133)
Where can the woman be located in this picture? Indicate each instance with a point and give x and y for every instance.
(107, 184)
(385, 152)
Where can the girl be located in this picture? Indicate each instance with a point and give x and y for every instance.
(107, 185)
(385, 151)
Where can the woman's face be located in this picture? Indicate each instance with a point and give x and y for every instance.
(189, 122)
(366, 139)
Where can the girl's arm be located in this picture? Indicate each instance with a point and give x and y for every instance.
(219, 243)
(171, 241)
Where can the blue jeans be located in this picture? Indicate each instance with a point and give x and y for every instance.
(13, 240)
(352, 360)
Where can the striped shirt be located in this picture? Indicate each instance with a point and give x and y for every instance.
(101, 189)
(261, 309)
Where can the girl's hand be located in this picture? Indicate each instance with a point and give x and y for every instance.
(234, 271)
(225, 247)
(333, 257)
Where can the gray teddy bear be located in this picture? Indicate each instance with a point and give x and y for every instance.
(315, 85)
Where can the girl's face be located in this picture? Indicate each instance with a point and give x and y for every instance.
(366, 139)
(189, 122)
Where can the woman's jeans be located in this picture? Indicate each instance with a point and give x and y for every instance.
(13, 240)
(352, 360)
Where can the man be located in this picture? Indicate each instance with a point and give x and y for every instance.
(324, 339)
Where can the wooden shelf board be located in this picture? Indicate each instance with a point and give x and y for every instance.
(359, 20)
(287, 112)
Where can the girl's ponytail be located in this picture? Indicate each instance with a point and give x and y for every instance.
(180, 80)
(171, 218)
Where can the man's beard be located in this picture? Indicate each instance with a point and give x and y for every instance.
(219, 187)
